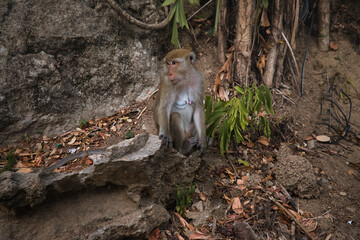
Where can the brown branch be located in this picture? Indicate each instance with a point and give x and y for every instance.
(148, 26)
(221, 31)
(292, 218)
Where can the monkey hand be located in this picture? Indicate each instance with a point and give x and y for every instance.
(165, 141)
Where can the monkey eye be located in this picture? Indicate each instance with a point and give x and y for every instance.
(171, 63)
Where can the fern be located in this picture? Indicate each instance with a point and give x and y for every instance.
(239, 115)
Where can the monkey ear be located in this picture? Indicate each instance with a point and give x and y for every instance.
(192, 57)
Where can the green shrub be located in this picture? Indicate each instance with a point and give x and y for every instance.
(184, 198)
(242, 113)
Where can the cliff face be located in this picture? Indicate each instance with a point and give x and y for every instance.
(61, 61)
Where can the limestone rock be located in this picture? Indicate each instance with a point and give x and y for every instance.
(123, 194)
(62, 61)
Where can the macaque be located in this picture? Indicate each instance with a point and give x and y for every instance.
(178, 111)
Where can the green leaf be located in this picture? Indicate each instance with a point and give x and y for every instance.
(208, 106)
(265, 3)
(337, 58)
(174, 37)
(167, 2)
(215, 115)
(245, 163)
(171, 15)
(130, 134)
(239, 90)
(239, 138)
(210, 131)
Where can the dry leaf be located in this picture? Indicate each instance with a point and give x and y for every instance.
(25, 170)
(88, 161)
(179, 237)
(227, 199)
(113, 128)
(237, 206)
(155, 234)
(248, 144)
(323, 138)
(202, 196)
(351, 172)
(308, 224)
(308, 138)
(19, 165)
(197, 235)
(334, 46)
(264, 141)
(184, 223)
(241, 184)
(72, 141)
(53, 152)
(261, 63)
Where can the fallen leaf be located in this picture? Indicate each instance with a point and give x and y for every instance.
(88, 161)
(179, 237)
(202, 196)
(334, 45)
(197, 235)
(308, 138)
(264, 141)
(113, 128)
(184, 223)
(19, 165)
(308, 224)
(25, 170)
(351, 172)
(237, 206)
(53, 152)
(261, 63)
(155, 234)
(241, 184)
(248, 144)
(323, 138)
(72, 141)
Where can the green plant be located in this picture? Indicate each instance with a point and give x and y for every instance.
(246, 110)
(178, 18)
(27, 137)
(83, 123)
(10, 162)
(130, 134)
(184, 198)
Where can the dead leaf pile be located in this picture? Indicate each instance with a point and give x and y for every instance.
(38, 153)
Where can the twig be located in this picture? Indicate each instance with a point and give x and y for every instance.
(198, 10)
(152, 94)
(292, 217)
(213, 231)
(141, 113)
(292, 54)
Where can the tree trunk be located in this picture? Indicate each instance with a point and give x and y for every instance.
(222, 35)
(324, 21)
(244, 27)
(272, 56)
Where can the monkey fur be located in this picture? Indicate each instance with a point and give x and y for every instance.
(178, 109)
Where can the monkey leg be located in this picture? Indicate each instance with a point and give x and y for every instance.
(181, 130)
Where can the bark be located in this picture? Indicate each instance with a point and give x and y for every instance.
(244, 27)
(222, 35)
(324, 21)
(276, 29)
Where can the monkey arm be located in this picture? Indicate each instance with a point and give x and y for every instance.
(163, 111)
(199, 120)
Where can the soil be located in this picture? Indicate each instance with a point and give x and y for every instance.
(336, 164)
